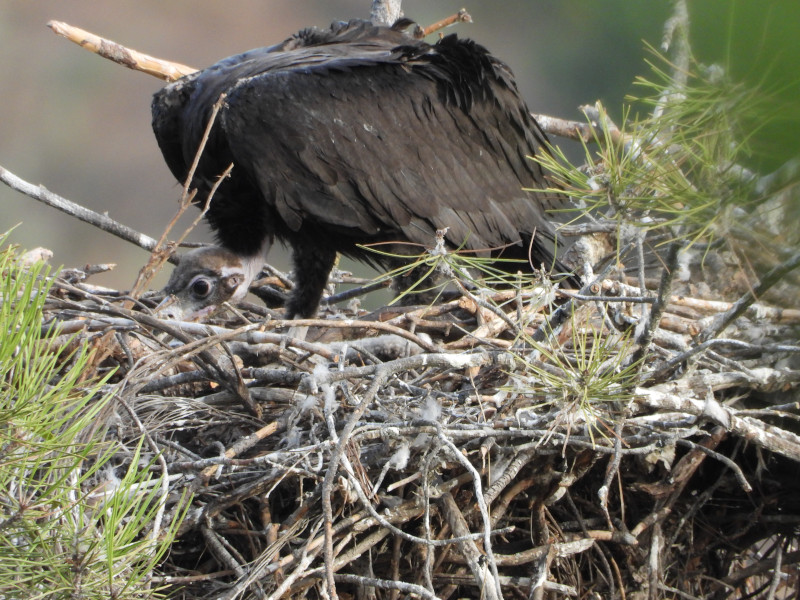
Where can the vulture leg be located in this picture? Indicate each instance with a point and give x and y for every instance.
(312, 265)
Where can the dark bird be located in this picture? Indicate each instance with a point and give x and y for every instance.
(348, 136)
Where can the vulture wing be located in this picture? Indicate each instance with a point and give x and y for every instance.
(360, 134)
(392, 144)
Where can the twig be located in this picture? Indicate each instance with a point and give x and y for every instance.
(330, 475)
(654, 563)
(563, 312)
(501, 507)
(218, 548)
(582, 131)
(523, 582)
(671, 397)
(104, 222)
(611, 471)
(629, 299)
(482, 507)
(737, 471)
(399, 532)
(138, 61)
(676, 33)
(560, 550)
(302, 570)
(521, 459)
(645, 338)
(357, 291)
(490, 587)
(241, 446)
(354, 324)
(762, 566)
(161, 253)
(772, 277)
(676, 360)
(488, 306)
(384, 12)
(785, 176)
(384, 584)
(462, 16)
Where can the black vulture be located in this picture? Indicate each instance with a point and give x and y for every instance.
(348, 136)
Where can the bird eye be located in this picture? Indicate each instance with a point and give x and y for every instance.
(201, 287)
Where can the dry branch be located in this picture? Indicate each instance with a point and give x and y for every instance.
(138, 61)
(383, 13)
(104, 222)
(462, 16)
(353, 452)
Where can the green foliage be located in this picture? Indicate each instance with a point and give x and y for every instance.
(582, 378)
(428, 273)
(68, 527)
(678, 168)
(757, 44)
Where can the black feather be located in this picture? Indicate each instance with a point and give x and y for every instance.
(360, 134)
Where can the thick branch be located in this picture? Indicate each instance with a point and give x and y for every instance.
(770, 278)
(104, 222)
(138, 61)
(385, 12)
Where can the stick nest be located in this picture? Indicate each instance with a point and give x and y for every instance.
(490, 444)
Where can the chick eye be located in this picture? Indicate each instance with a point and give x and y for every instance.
(201, 287)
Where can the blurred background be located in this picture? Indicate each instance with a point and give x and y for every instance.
(80, 125)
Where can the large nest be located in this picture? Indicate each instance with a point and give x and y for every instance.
(635, 440)
(521, 443)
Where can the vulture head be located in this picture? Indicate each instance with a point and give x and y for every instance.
(204, 279)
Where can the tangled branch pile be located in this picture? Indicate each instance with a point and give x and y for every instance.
(444, 451)
(638, 439)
